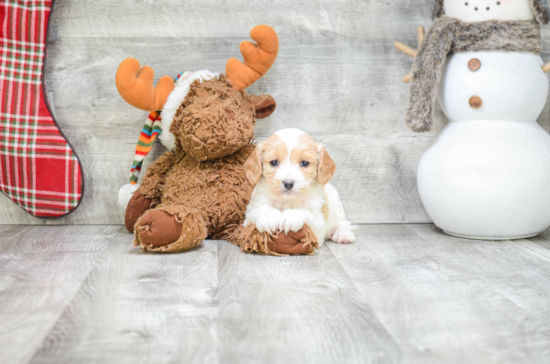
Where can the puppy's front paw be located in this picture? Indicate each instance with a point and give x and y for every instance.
(343, 235)
(292, 220)
(269, 221)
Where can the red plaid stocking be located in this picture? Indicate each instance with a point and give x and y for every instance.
(39, 171)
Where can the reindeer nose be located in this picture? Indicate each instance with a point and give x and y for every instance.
(288, 183)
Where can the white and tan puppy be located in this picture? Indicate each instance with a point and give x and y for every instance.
(291, 173)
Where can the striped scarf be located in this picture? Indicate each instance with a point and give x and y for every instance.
(147, 138)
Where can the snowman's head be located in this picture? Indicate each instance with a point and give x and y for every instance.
(482, 10)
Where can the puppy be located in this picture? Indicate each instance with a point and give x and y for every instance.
(291, 173)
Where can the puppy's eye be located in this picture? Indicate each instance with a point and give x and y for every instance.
(304, 163)
(274, 163)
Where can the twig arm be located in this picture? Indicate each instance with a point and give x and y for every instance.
(421, 33)
(406, 49)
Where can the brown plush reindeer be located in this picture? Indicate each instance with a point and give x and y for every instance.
(199, 188)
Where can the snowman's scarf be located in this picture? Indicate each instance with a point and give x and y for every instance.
(452, 35)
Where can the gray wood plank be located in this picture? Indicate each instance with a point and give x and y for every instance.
(450, 300)
(337, 76)
(401, 293)
(542, 239)
(295, 310)
(140, 308)
(41, 269)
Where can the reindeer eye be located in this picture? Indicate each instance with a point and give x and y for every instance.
(304, 163)
(274, 163)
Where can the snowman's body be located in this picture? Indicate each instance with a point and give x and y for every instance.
(486, 174)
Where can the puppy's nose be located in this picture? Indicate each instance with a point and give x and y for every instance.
(288, 183)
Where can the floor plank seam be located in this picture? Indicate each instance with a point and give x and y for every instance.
(68, 303)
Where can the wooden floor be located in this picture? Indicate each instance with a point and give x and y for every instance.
(401, 294)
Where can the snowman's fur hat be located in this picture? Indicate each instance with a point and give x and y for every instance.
(540, 8)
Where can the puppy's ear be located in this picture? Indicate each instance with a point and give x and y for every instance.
(265, 105)
(326, 166)
(253, 166)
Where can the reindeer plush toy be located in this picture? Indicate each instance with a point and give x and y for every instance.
(199, 188)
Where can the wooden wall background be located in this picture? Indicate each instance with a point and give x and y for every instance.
(337, 77)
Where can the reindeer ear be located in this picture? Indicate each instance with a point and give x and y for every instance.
(253, 166)
(326, 166)
(264, 105)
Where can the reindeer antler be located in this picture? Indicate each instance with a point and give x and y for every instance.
(409, 51)
(258, 59)
(135, 85)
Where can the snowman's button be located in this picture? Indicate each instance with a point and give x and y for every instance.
(475, 102)
(474, 64)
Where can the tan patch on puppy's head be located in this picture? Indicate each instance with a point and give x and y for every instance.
(306, 151)
(326, 167)
(321, 165)
(253, 166)
(273, 150)
(259, 163)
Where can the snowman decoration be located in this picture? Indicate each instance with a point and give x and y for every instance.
(486, 175)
